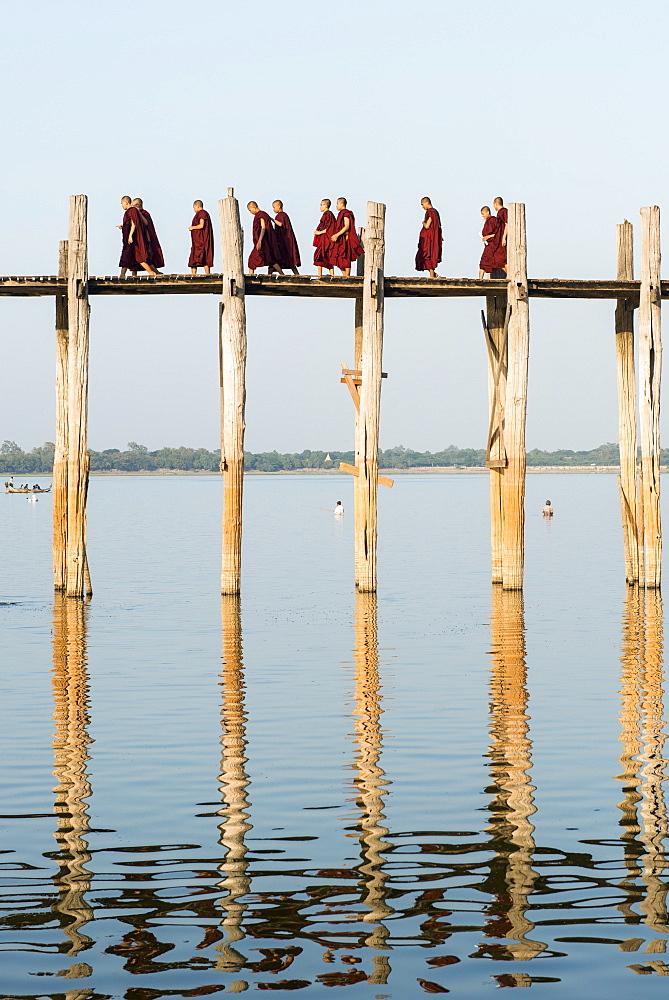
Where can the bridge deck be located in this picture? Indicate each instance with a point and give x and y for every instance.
(313, 287)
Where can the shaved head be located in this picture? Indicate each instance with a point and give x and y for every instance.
(486, 208)
(126, 199)
(326, 201)
(279, 203)
(198, 204)
(498, 201)
(252, 204)
(342, 201)
(426, 201)
(138, 203)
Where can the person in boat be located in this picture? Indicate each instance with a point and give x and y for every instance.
(36, 486)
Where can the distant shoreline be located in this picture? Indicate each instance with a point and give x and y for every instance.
(428, 470)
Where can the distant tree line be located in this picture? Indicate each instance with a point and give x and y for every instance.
(138, 458)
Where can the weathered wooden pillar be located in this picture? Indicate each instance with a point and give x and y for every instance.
(650, 370)
(513, 481)
(496, 331)
(367, 425)
(60, 452)
(627, 437)
(360, 273)
(232, 348)
(77, 582)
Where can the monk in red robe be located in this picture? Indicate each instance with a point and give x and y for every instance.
(503, 216)
(264, 253)
(286, 243)
(145, 238)
(127, 261)
(323, 239)
(201, 240)
(345, 240)
(490, 234)
(430, 240)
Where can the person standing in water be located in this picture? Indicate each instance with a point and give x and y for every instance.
(339, 509)
(547, 510)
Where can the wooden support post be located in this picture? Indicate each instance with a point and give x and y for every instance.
(496, 330)
(650, 370)
(367, 424)
(77, 582)
(60, 453)
(232, 348)
(513, 481)
(360, 272)
(627, 436)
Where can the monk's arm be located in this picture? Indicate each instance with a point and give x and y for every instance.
(347, 226)
(200, 225)
(277, 223)
(319, 232)
(426, 225)
(506, 229)
(133, 227)
(263, 227)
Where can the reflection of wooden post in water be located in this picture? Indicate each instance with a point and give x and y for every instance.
(652, 806)
(370, 780)
(234, 782)
(644, 813)
(630, 737)
(512, 877)
(70, 750)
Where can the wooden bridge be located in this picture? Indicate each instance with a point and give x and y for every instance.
(506, 328)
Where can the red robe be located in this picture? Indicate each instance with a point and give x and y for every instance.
(139, 250)
(286, 243)
(348, 247)
(491, 225)
(267, 255)
(500, 254)
(430, 243)
(155, 251)
(323, 254)
(128, 252)
(202, 241)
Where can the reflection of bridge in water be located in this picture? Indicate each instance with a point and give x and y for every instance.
(512, 877)
(643, 809)
(70, 750)
(362, 912)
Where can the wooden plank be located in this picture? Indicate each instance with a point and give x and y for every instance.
(353, 389)
(367, 427)
(353, 471)
(627, 432)
(78, 312)
(61, 437)
(513, 486)
(233, 393)
(326, 287)
(650, 370)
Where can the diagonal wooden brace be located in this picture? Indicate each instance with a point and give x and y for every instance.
(497, 360)
(354, 471)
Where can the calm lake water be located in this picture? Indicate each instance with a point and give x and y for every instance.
(444, 788)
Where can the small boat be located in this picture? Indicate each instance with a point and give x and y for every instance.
(13, 489)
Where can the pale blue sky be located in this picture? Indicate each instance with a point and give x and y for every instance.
(559, 106)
